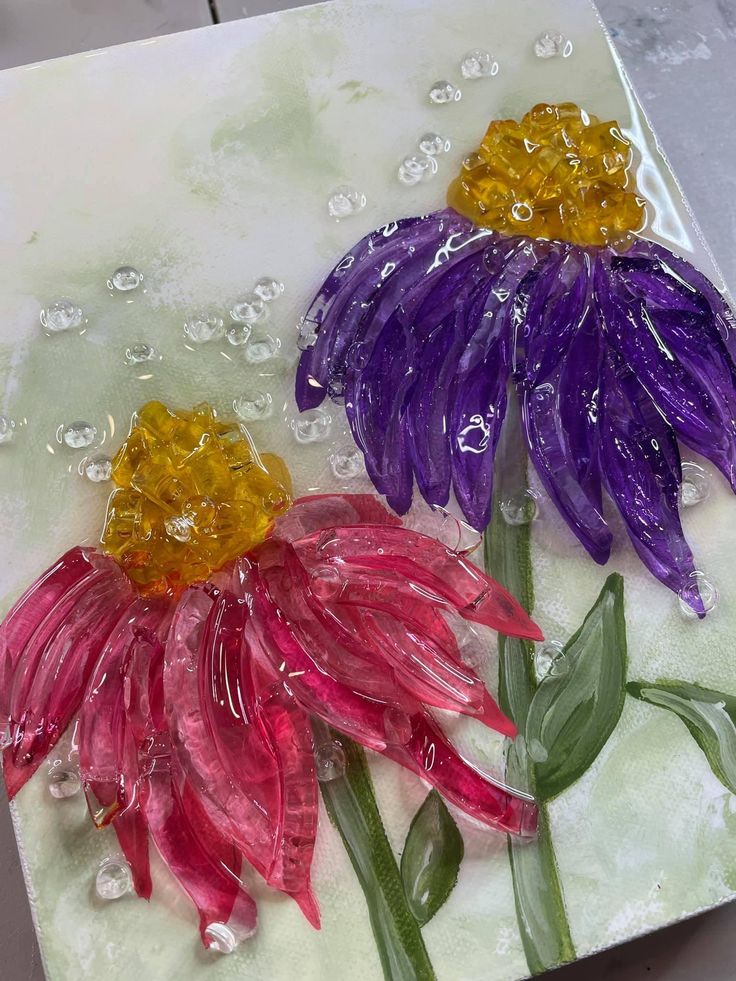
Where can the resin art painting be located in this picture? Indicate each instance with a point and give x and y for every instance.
(367, 456)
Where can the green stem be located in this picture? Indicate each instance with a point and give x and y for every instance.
(540, 905)
(351, 804)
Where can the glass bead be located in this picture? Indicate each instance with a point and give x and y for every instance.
(125, 279)
(329, 761)
(698, 585)
(238, 334)
(418, 167)
(443, 92)
(253, 406)
(249, 309)
(520, 509)
(98, 468)
(312, 426)
(262, 348)
(268, 288)
(346, 462)
(64, 782)
(433, 143)
(7, 429)
(113, 879)
(345, 201)
(695, 486)
(552, 44)
(478, 64)
(61, 315)
(220, 938)
(77, 435)
(141, 353)
(204, 328)
(178, 527)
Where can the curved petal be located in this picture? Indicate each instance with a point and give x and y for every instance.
(665, 333)
(427, 565)
(55, 666)
(319, 511)
(641, 466)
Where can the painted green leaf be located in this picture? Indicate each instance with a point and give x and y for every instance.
(710, 716)
(431, 859)
(577, 705)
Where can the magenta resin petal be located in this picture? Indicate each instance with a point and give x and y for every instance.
(641, 466)
(197, 855)
(314, 513)
(49, 599)
(241, 810)
(429, 565)
(51, 676)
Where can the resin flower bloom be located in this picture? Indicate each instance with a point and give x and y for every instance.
(617, 348)
(194, 662)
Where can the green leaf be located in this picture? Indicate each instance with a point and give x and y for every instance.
(577, 705)
(351, 805)
(710, 716)
(431, 859)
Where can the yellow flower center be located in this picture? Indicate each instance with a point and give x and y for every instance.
(557, 174)
(192, 494)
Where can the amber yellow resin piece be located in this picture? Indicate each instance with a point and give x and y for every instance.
(557, 174)
(192, 494)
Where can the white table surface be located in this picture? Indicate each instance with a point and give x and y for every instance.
(680, 57)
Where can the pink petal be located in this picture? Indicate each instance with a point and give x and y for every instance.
(314, 513)
(44, 599)
(428, 753)
(204, 862)
(427, 565)
(53, 671)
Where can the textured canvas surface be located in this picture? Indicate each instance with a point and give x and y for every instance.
(206, 160)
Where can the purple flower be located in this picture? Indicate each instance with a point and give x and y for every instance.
(425, 324)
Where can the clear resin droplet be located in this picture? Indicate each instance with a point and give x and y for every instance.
(695, 486)
(346, 462)
(238, 334)
(536, 751)
(262, 348)
(220, 938)
(125, 279)
(433, 143)
(61, 315)
(546, 657)
(79, 434)
(204, 328)
(7, 429)
(178, 527)
(552, 44)
(520, 509)
(249, 309)
(329, 761)
(326, 583)
(141, 354)
(113, 879)
(64, 782)
(307, 335)
(418, 167)
(478, 64)
(345, 201)
(443, 92)
(268, 288)
(312, 426)
(698, 586)
(253, 406)
(98, 468)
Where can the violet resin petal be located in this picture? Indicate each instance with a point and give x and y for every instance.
(640, 464)
(427, 564)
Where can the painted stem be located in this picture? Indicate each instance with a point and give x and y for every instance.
(540, 906)
(351, 804)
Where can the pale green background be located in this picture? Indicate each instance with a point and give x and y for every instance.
(206, 159)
